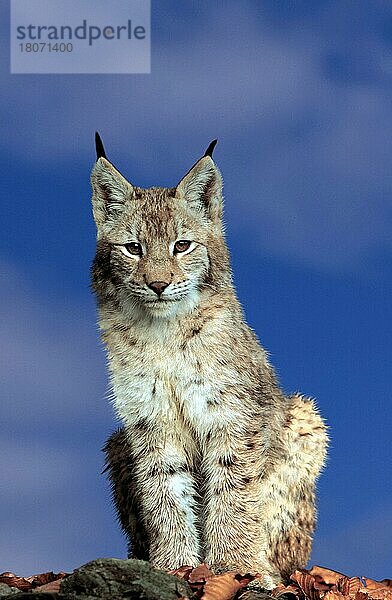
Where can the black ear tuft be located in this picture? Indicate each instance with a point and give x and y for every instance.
(210, 148)
(99, 146)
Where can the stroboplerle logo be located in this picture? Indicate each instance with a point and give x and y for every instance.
(85, 36)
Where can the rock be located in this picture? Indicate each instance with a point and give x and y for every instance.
(6, 590)
(114, 578)
(41, 596)
(110, 578)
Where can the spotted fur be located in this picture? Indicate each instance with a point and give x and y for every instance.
(213, 463)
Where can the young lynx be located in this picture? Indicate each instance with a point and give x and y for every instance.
(213, 463)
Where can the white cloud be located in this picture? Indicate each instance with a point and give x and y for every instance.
(58, 527)
(220, 81)
(323, 200)
(52, 367)
(360, 548)
(305, 159)
(36, 468)
(55, 512)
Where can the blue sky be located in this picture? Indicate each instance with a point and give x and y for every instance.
(299, 96)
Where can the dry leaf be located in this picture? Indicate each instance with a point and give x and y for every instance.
(307, 584)
(51, 586)
(200, 574)
(334, 595)
(32, 582)
(325, 575)
(361, 595)
(384, 593)
(182, 572)
(321, 586)
(246, 578)
(45, 578)
(349, 586)
(13, 580)
(372, 584)
(224, 587)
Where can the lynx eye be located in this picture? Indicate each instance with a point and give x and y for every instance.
(181, 246)
(132, 249)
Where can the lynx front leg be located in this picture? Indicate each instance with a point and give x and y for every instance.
(234, 533)
(120, 468)
(167, 494)
(154, 498)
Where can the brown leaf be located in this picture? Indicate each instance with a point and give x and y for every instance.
(200, 574)
(372, 584)
(224, 587)
(361, 595)
(349, 586)
(51, 586)
(44, 578)
(13, 580)
(307, 584)
(384, 593)
(321, 586)
(245, 578)
(324, 575)
(334, 595)
(28, 583)
(181, 572)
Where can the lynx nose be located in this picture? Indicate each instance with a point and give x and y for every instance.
(158, 286)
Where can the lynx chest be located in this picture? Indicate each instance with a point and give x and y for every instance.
(165, 382)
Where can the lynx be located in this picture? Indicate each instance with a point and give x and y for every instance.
(213, 462)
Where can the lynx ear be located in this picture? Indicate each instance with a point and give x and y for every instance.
(100, 150)
(110, 188)
(202, 186)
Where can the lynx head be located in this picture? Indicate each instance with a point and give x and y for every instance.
(158, 249)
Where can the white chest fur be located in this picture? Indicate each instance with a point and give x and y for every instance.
(163, 382)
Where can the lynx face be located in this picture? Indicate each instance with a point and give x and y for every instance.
(157, 247)
(159, 252)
